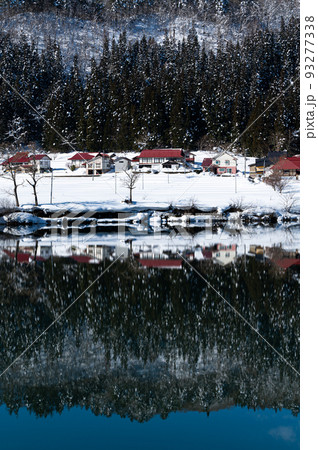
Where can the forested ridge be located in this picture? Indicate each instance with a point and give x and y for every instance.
(145, 94)
(258, 10)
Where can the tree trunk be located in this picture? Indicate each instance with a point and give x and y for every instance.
(16, 195)
(130, 195)
(35, 196)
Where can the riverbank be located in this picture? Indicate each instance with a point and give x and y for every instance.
(177, 193)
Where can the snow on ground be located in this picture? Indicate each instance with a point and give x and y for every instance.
(153, 191)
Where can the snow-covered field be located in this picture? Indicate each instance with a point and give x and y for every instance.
(155, 191)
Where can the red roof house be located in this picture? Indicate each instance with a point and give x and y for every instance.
(80, 159)
(207, 164)
(82, 156)
(17, 159)
(289, 166)
(223, 163)
(24, 161)
(295, 160)
(157, 156)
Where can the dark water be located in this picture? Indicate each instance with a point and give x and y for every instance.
(150, 356)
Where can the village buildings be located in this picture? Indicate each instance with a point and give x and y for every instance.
(99, 164)
(288, 166)
(150, 158)
(80, 159)
(170, 160)
(122, 164)
(25, 161)
(221, 164)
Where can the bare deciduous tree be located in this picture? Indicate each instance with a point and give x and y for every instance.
(34, 179)
(277, 180)
(11, 174)
(130, 181)
(289, 202)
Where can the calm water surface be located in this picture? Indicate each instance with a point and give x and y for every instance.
(150, 357)
(236, 428)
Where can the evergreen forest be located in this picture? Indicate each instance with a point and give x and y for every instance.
(147, 94)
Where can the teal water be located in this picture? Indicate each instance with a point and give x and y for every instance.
(235, 428)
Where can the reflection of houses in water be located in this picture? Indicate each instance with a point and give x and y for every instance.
(98, 252)
(95, 253)
(224, 254)
(219, 253)
(19, 256)
(257, 251)
(282, 259)
(153, 259)
(24, 254)
(45, 251)
(148, 256)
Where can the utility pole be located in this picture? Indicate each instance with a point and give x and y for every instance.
(51, 195)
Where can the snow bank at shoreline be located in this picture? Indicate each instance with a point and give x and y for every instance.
(156, 192)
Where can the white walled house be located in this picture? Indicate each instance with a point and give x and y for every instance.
(24, 162)
(80, 159)
(225, 254)
(42, 162)
(221, 164)
(225, 163)
(122, 164)
(155, 157)
(98, 165)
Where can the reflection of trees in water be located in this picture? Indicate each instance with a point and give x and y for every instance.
(135, 319)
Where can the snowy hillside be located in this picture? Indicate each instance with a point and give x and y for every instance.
(85, 37)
